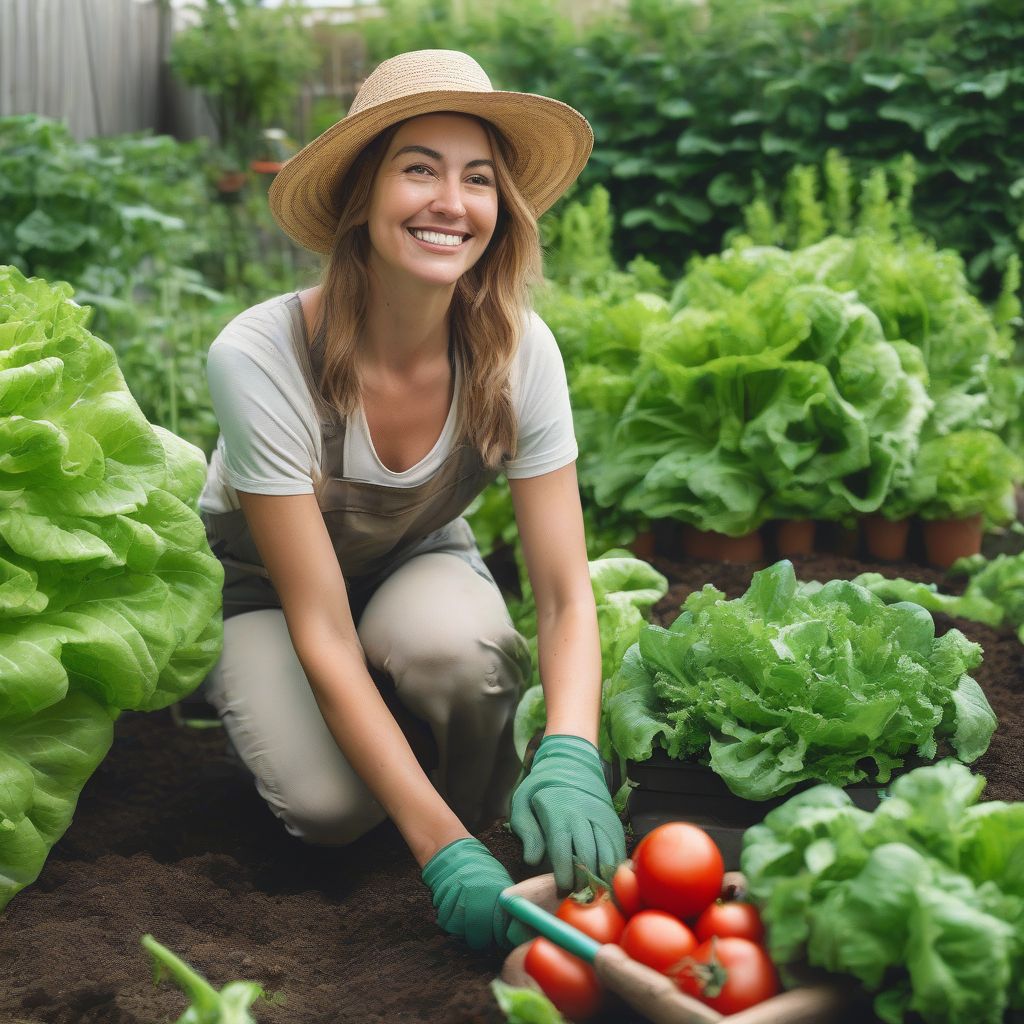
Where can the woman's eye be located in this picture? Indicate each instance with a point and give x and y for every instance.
(419, 169)
(480, 179)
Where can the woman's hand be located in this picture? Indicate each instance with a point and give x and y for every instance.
(466, 881)
(563, 806)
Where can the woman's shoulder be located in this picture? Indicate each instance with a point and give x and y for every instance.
(266, 328)
(538, 350)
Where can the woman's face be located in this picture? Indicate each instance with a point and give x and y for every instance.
(434, 203)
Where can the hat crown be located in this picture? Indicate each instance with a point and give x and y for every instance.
(420, 71)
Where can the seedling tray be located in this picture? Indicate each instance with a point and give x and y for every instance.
(671, 790)
(822, 1001)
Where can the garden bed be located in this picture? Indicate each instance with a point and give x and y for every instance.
(170, 837)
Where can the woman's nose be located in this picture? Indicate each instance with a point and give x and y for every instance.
(448, 199)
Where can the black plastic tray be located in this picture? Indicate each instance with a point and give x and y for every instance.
(672, 790)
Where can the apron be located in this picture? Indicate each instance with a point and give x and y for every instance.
(373, 528)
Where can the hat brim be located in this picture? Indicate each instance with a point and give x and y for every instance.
(550, 143)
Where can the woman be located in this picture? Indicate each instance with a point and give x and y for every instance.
(358, 420)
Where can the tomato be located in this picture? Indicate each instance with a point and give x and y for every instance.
(730, 918)
(678, 869)
(729, 974)
(567, 981)
(599, 918)
(657, 939)
(624, 886)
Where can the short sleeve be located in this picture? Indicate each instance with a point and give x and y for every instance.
(267, 424)
(546, 440)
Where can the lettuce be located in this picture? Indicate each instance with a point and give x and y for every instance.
(793, 682)
(625, 589)
(109, 594)
(922, 901)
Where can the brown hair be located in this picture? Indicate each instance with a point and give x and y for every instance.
(487, 314)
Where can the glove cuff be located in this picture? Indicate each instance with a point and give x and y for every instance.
(565, 743)
(450, 859)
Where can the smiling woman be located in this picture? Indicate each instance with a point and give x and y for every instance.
(370, 667)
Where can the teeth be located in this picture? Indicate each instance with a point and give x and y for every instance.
(436, 238)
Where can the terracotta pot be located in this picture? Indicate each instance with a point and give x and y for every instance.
(794, 537)
(231, 186)
(946, 540)
(266, 166)
(886, 539)
(711, 546)
(642, 545)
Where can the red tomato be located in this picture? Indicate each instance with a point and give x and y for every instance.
(567, 981)
(730, 918)
(627, 895)
(678, 869)
(729, 975)
(657, 939)
(600, 918)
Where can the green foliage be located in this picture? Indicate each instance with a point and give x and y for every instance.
(249, 61)
(690, 102)
(798, 383)
(228, 1006)
(109, 595)
(794, 682)
(921, 901)
(625, 589)
(108, 216)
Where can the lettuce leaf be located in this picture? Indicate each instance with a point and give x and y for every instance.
(793, 682)
(109, 595)
(920, 901)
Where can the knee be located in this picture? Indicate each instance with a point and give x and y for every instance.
(323, 817)
(473, 669)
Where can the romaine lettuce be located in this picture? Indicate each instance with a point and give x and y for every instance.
(109, 595)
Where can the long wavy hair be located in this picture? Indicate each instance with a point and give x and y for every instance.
(487, 314)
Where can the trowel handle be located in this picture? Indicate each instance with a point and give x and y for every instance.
(551, 927)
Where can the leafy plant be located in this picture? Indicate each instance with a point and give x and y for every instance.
(228, 1006)
(249, 61)
(625, 589)
(921, 901)
(794, 682)
(109, 595)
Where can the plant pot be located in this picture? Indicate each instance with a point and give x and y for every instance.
(794, 537)
(231, 185)
(711, 546)
(266, 166)
(668, 789)
(946, 540)
(642, 545)
(886, 539)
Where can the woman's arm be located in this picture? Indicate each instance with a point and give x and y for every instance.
(550, 522)
(292, 540)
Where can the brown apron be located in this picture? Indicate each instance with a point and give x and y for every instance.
(373, 528)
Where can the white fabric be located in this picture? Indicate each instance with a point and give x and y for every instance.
(270, 438)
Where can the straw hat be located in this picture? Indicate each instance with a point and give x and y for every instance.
(550, 141)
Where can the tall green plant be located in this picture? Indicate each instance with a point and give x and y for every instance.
(249, 61)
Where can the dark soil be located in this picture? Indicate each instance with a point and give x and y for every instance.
(171, 838)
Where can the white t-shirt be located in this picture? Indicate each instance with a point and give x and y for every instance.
(270, 438)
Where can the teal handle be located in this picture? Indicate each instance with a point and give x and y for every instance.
(558, 931)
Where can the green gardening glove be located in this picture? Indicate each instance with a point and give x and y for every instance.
(564, 806)
(465, 881)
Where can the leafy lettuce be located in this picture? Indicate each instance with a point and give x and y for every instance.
(922, 900)
(109, 594)
(794, 682)
(625, 589)
(994, 593)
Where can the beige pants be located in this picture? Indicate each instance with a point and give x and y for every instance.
(441, 646)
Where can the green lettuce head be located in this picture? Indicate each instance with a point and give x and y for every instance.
(109, 594)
